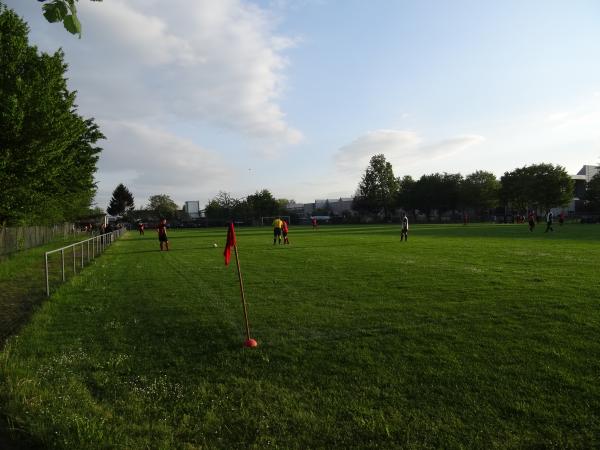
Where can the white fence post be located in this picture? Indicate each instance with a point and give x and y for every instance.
(98, 245)
(47, 279)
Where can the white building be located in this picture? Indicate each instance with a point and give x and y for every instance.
(192, 208)
(336, 206)
(583, 177)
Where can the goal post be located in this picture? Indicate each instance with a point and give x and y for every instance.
(268, 220)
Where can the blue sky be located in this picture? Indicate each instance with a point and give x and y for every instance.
(295, 96)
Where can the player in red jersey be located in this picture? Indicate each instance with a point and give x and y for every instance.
(284, 231)
(162, 235)
(531, 220)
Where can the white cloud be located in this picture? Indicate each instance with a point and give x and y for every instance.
(206, 62)
(566, 134)
(401, 148)
(388, 142)
(145, 69)
(151, 161)
(447, 147)
(407, 151)
(580, 119)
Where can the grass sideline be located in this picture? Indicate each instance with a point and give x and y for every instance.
(22, 283)
(479, 336)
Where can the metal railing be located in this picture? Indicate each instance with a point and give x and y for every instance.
(81, 253)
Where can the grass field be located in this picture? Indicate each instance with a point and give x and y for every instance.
(465, 337)
(22, 283)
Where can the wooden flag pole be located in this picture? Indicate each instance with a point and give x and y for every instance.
(237, 261)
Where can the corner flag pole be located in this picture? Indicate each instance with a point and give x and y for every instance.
(237, 261)
(231, 242)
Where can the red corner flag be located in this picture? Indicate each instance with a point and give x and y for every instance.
(227, 253)
(230, 243)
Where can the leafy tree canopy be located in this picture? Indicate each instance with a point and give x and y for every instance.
(480, 191)
(262, 204)
(47, 152)
(223, 206)
(64, 11)
(405, 197)
(592, 193)
(378, 189)
(162, 206)
(437, 191)
(537, 186)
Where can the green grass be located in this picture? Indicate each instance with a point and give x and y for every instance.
(464, 337)
(22, 283)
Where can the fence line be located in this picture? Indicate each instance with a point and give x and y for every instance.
(88, 249)
(14, 239)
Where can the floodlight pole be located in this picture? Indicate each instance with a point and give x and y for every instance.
(237, 261)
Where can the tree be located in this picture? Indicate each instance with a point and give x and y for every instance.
(405, 196)
(537, 186)
(121, 201)
(64, 11)
(436, 191)
(480, 191)
(47, 154)
(262, 204)
(553, 185)
(378, 188)
(162, 206)
(449, 193)
(282, 204)
(592, 192)
(222, 207)
(517, 189)
(424, 192)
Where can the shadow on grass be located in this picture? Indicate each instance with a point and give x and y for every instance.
(574, 232)
(11, 439)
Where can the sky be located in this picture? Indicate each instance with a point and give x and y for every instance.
(197, 97)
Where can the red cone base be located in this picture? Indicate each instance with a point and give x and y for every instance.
(250, 343)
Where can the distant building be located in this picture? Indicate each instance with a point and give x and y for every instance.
(336, 206)
(583, 177)
(192, 208)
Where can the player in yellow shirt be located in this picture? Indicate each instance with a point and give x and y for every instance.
(277, 224)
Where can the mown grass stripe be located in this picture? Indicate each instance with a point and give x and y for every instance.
(476, 336)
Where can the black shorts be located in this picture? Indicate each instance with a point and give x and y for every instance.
(163, 238)
(284, 232)
(276, 231)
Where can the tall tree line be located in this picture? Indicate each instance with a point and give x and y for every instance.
(535, 187)
(253, 207)
(47, 151)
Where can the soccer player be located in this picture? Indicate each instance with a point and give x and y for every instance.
(314, 223)
(561, 218)
(549, 218)
(531, 221)
(284, 231)
(277, 224)
(141, 228)
(162, 235)
(404, 232)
